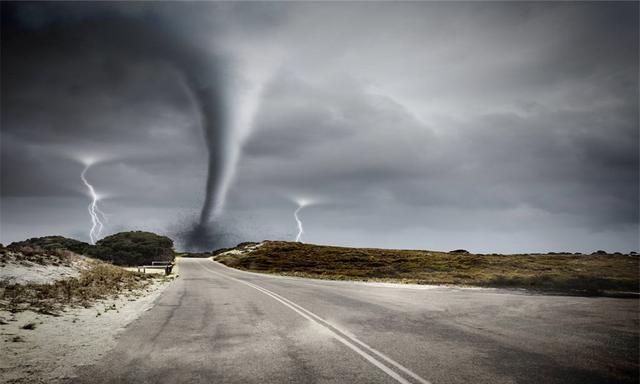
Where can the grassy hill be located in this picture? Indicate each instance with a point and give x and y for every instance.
(52, 243)
(582, 274)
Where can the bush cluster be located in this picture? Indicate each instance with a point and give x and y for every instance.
(133, 248)
(124, 248)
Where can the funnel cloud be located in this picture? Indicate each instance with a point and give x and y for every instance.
(209, 98)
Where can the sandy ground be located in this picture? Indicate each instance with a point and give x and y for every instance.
(15, 270)
(58, 346)
(35, 273)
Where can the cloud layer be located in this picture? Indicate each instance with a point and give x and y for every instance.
(491, 127)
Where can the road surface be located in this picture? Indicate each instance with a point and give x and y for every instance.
(218, 325)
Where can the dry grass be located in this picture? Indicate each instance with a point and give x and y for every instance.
(100, 281)
(581, 274)
(37, 255)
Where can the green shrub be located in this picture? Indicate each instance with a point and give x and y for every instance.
(133, 248)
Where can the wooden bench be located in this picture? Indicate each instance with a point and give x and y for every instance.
(166, 265)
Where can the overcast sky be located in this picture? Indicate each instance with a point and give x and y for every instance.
(494, 127)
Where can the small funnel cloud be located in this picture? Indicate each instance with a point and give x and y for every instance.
(95, 213)
(302, 202)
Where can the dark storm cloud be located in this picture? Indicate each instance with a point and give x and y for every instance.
(45, 176)
(529, 117)
(488, 126)
(80, 77)
(559, 162)
(120, 42)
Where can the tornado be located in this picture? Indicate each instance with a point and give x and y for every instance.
(212, 122)
(209, 100)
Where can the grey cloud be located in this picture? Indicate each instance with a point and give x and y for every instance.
(488, 126)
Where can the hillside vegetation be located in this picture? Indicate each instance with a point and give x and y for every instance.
(52, 243)
(582, 274)
(93, 280)
(124, 248)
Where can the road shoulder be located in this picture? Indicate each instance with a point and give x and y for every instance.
(39, 348)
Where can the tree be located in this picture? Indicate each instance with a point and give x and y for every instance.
(134, 248)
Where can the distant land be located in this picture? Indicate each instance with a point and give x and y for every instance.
(599, 273)
(596, 274)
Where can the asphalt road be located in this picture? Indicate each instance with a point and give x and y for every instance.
(218, 325)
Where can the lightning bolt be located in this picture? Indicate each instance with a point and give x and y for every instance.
(300, 229)
(94, 211)
(301, 204)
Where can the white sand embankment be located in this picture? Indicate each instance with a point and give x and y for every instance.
(58, 345)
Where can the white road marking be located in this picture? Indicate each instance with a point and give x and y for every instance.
(338, 334)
